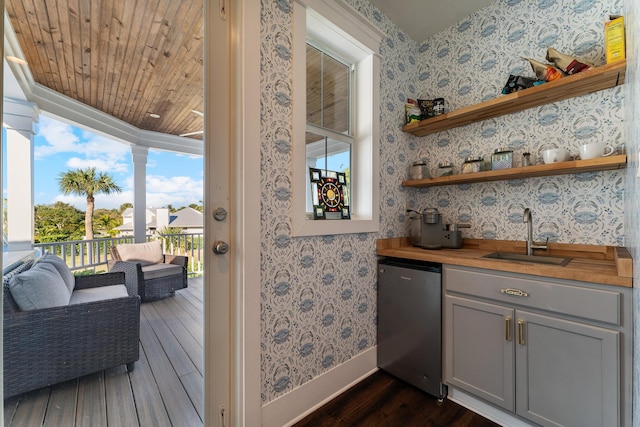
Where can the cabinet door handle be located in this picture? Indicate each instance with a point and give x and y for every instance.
(521, 332)
(507, 328)
(514, 292)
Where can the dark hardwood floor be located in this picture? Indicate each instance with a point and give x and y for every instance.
(382, 400)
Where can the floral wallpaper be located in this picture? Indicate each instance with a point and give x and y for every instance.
(318, 294)
(469, 63)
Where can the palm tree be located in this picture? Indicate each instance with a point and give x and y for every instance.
(86, 182)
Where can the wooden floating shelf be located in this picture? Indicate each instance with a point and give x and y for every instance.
(562, 168)
(604, 77)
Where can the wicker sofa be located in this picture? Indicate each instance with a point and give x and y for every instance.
(58, 327)
(149, 272)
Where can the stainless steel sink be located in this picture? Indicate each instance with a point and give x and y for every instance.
(537, 259)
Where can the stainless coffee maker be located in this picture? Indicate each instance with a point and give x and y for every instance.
(429, 232)
(431, 229)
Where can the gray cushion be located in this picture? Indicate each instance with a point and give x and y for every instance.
(39, 287)
(6, 278)
(62, 268)
(160, 270)
(144, 253)
(101, 293)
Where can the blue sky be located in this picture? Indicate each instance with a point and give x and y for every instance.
(172, 178)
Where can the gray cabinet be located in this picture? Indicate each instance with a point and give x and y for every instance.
(479, 355)
(550, 351)
(567, 373)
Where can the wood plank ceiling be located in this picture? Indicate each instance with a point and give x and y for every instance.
(127, 58)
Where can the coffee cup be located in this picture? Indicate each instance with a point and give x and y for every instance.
(555, 155)
(595, 150)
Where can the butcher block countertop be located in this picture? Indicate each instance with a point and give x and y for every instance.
(608, 265)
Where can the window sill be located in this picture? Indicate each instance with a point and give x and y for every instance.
(309, 227)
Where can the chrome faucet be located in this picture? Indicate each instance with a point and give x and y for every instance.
(531, 245)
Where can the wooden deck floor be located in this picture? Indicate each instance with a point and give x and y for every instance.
(164, 389)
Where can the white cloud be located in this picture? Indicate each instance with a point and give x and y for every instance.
(100, 164)
(103, 153)
(102, 201)
(58, 135)
(161, 191)
(175, 184)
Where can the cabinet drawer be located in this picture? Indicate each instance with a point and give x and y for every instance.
(601, 305)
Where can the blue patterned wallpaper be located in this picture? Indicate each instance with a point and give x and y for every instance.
(318, 294)
(469, 63)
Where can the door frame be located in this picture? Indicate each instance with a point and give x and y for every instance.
(232, 374)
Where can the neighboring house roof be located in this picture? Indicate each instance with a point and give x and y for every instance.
(186, 218)
(128, 212)
(127, 226)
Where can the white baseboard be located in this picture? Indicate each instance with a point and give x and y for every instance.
(298, 403)
(488, 411)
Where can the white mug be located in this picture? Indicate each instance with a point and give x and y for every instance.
(595, 150)
(554, 155)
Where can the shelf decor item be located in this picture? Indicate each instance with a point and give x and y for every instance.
(329, 194)
(502, 159)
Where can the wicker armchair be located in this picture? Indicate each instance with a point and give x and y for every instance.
(50, 345)
(154, 276)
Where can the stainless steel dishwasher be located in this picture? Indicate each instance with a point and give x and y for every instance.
(410, 323)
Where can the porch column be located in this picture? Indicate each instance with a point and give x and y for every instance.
(139, 156)
(19, 119)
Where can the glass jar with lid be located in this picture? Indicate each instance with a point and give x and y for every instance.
(419, 170)
(444, 169)
(501, 159)
(472, 164)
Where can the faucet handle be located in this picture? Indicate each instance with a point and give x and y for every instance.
(542, 246)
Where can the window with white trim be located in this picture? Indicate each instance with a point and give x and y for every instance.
(329, 131)
(336, 79)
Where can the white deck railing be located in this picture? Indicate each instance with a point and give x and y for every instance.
(94, 254)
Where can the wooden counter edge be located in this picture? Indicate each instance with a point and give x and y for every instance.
(619, 255)
(624, 262)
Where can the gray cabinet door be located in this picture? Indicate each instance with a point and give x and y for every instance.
(479, 355)
(567, 373)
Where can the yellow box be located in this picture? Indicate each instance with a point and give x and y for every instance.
(614, 39)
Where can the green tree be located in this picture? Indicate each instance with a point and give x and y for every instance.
(57, 223)
(106, 220)
(87, 182)
(198, 207)
(124, 207)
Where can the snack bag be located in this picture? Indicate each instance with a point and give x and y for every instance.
(566, 63)
(412, 112)
(516, 83)
(426, 107)
(544, 72)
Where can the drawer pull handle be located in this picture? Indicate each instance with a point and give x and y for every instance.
(514, 292)
(521, 332)
(507, 328)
